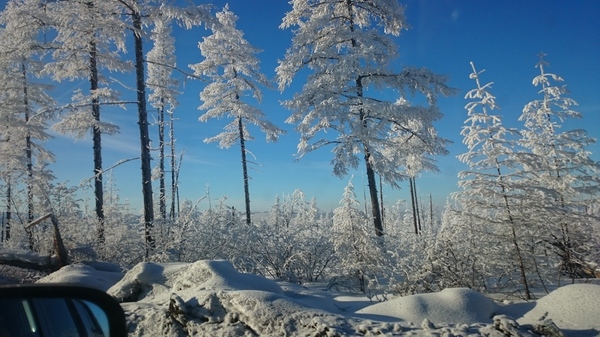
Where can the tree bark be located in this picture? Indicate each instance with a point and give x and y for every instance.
(162, 202)
(144, 134)
(97, 145)
(381, 204)
(28, 154)
(245, 172)
(413, 204)
(431, 212)
(514, 233)
(59, 246)
(375, 209)
(8, 209)
(418, 209)
(174, 186)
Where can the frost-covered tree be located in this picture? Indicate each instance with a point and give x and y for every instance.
(163, 96)
(347, 49)
(90, 36)
(491, 197)
(231, 65)
(558, 171)
(359, 253)
(139, 15)
(25, 105)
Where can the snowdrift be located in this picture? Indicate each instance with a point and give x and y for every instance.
(457, 305)
(211, 298)
(572, 307)
(99, 276)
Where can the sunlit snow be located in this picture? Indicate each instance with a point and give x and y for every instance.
(211, 298)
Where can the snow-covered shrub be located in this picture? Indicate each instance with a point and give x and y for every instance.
(293, 243)
(360, 256)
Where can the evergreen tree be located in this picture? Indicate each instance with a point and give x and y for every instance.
(348, 57)
(233, 69)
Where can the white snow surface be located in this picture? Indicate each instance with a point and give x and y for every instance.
(454, 305)
(211, 298)
(572, 307)
(93, 276)
(26, 256)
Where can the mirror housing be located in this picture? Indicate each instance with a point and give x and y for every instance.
(99, 300)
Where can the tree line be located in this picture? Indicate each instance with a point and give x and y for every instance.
(68, 40)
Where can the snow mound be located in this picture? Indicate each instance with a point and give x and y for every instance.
(571, 307)
(453, 305)
(148, 280)
(211, 298)
(84, 275)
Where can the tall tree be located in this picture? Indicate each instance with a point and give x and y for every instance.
(491, 192)
(347, 49)
(141, 13)
(25, 104)
(163, 96)
(558, 170)
(90, 36)
(232, 67)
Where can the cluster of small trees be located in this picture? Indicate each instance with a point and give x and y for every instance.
(528, 197)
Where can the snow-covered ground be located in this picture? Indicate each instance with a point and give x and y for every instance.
(211, 298)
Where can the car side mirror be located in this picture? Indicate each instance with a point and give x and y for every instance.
(59, 309)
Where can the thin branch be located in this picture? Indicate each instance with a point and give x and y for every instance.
(186, 74)
(123, 161)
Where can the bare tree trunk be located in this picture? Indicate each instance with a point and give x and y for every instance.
(381, 201)
(413, 204)
(28, 154)
(173, 167)
(144, 134)
(375, 208)
(515, 241)
(431, 212)
(245, 172)
(418, 214)
(162, 202)
(59, 246)
(8, 209)
(97, 145)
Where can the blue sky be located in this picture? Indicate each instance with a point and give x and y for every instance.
(503, 37)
